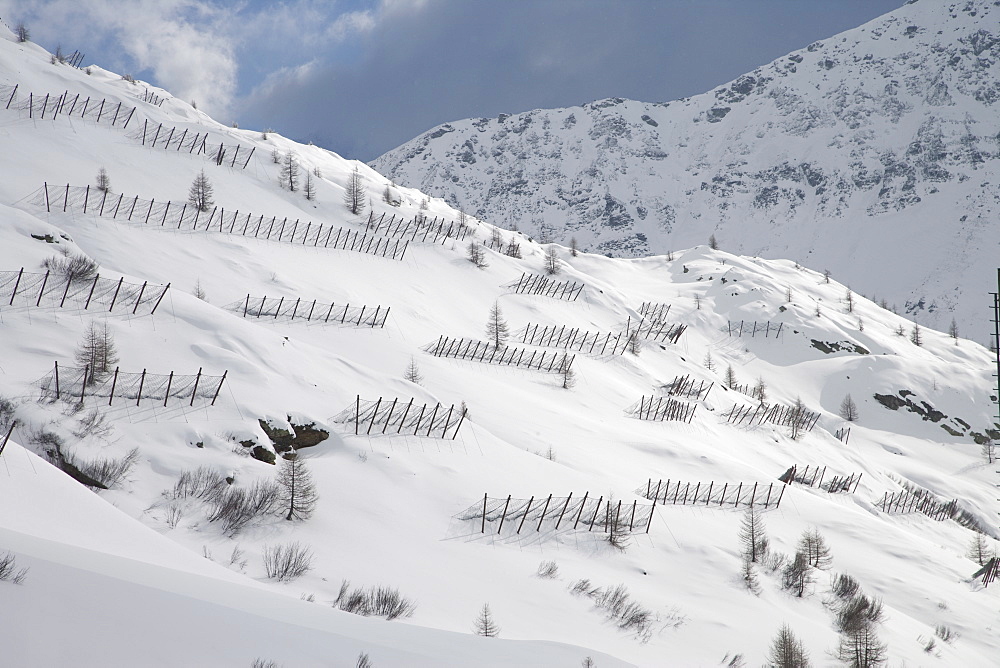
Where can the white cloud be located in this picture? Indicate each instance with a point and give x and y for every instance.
(184, 43)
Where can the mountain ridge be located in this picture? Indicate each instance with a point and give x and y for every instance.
(869, 149)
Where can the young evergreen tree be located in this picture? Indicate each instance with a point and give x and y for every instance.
(474, 252)
(496, 327)
(849, 301)
(730, 377)
(96, 352)
(980, 550)
(22, 32)
(310, 187)
(814, 547)
(848, 409)
(760, 390)
(861, 648)
(355, 193)
(953, 330)
(485, 625)
(796, 577)
(709, 362)
(787, 651)
(712, 242)
(568, 375)
(298, 494)
(290, 171)
(412, 372)
(752, 535)
(915, 335)
(574, 249)
(200, 196)
(551, 261)
(103, 181)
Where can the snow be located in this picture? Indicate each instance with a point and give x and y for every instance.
(109, 573)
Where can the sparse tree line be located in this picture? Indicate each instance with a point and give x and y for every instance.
(856, 616)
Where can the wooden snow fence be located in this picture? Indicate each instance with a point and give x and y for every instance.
(711, 495)
(558, 513)
(184, 216)
(418, 228)
(34, 289)
(385, 417)
(902, 502)
(836, 484)
(487, 353)
(661, 409)
(289, 309)
(42, 106)
(777, 414)
(537, 284)
(80, 384)
(684, 386)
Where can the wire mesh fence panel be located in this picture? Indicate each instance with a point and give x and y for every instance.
(304, 310)
(396, 416)
(711, 494)
(753, 329)
(489, 353)
(537, 284)
(91, 383)
(558, 513)
(51, 289)
(188, 217)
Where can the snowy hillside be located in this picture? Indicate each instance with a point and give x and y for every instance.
(455, 472)
(874, 148)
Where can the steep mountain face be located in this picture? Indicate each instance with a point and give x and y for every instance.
(875, 149)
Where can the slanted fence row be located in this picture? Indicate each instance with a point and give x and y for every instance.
(843, 434)
(658, 330)
(310, 311)
(654, 311)
(537, 284)
(78, 384)
(685, 386)
(155, 135)
(765, 329)
(484, 351)
(419, 228)
(909, 502)
(786, 416)
(391, 418)
(989, 571)
(686, 494)
(837, 483)
(184, 216)
(558, 336)
(51, 105)
(559, 513)
(33, 289)
(43, 106)
(510, 249)
(661, 409)
(152, 98)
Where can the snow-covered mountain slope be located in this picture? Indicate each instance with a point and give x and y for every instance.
(401, 508)
(873, 154)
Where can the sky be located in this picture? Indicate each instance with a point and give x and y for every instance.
(361, 77)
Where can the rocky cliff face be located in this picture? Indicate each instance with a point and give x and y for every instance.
(873, 153)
